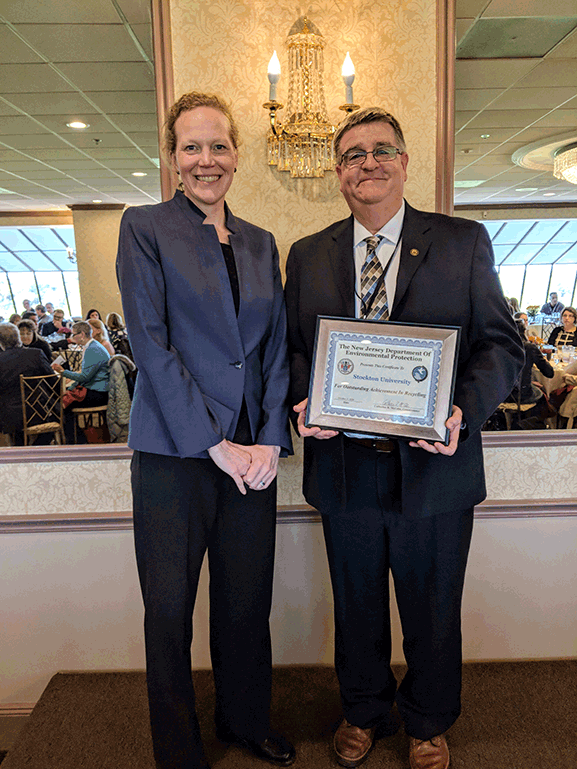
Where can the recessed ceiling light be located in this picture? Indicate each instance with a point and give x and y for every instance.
(139, 173)
(77, 124)
(97, 201)
(485, 136)
(549, 194)
(526, 189)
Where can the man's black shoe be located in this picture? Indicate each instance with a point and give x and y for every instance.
(275, 748)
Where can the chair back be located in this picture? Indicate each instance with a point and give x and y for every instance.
(42, 406)
(73, 359)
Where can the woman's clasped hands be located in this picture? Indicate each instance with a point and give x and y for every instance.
(255, 466)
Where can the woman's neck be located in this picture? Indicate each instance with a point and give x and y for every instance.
(218, 220)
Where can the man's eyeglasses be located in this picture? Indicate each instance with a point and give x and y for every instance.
(356, 157)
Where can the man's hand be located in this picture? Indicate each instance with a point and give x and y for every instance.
(233, 459)
(263, 466)
(311, 432)
(453, 424)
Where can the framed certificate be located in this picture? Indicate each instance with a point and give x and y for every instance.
(383, 378)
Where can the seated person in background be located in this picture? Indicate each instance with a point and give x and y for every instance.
(30, 339)
(565, 334)
(514, 305)
(522, 316)
(93, 376)
(31, 315)
(27, 304)
(43, 318)
(526, 391)
(15, 319)
(100, 333)
(15, 360)
(49, 308)
(93, 314)
(553, 305)
(57, 325)
(118, 334)
(530, 393)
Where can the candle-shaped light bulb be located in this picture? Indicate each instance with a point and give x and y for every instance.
(273, 76)
(348, 73)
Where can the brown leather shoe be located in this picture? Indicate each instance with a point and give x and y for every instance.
(352, 744)
(429, 754)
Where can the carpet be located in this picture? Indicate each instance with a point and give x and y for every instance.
(516, 715)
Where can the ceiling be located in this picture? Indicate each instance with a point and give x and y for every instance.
(65, 60)
(91, 60)
(37, 249)
(516, 85)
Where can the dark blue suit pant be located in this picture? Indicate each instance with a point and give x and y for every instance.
(182, 508)
(427, 557)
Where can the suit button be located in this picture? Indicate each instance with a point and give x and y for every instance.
(237, 364)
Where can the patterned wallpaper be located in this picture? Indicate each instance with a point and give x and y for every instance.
(104, 486)
(224, 46)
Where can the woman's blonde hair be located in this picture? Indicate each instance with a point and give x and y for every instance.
(114, 321)
(101, 332)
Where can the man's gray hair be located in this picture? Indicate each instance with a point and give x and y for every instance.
(82, 326)
(9, 336)
(368, 115)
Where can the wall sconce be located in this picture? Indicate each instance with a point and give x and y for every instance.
(303, 144)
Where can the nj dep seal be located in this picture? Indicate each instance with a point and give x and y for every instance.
(345, 366)
(420, 373)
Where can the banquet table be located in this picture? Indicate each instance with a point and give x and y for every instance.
(549, 384)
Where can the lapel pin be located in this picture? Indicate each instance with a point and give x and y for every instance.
(414, 251)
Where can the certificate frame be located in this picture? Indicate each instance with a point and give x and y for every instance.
(383, 378)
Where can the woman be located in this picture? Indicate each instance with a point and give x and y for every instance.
(526, 391)
(118, 335)
(30, 338)
(15, 360)
(93, 314)
(204, 307)
(90, 384)
(565, 334)
(100, 333)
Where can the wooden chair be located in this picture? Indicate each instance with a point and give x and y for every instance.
(91, 418)
(512, 409)
(73, 359)
(42, 406)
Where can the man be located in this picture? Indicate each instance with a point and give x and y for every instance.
(94, 376)
(49, 308)
(385, 504)
(43, 318)
(26, 303)
(553, 306)
(56, 325)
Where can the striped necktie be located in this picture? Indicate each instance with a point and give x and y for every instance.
(373, 307)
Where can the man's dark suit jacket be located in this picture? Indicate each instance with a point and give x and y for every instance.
(447, 277)
(196, 359)
(13, 362)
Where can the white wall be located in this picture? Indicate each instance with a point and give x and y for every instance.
(70, 600)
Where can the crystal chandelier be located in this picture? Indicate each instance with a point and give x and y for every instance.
(303, 145)
(565, 163)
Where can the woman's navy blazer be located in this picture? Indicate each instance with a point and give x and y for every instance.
(196, 359)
